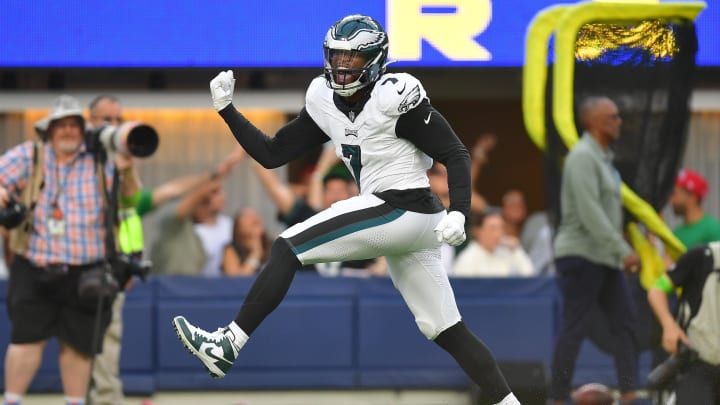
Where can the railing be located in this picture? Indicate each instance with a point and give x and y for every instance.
(333, 333)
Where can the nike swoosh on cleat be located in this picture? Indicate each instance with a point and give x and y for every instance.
(208, 351)
(403, 89)
(427, 120)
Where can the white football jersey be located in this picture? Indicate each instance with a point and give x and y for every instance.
(378, 159)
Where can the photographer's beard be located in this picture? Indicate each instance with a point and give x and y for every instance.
(68, 146)
(66, 135)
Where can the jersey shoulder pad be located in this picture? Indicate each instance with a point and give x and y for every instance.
(314, 95)
(398, 93)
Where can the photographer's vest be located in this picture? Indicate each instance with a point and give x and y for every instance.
(20, 235)
(130, 232)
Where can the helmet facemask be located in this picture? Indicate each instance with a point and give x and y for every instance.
(355, 51)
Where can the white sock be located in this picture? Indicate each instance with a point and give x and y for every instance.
(74, 401)
(237, 336)
(12, 398)
(509, 400)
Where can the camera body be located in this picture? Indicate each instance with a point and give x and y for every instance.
(13, 214)
(130, 139)
(664, 374)
(102, 282)
(127, 266)
(97, 282)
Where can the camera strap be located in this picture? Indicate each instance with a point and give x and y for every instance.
(110, 205)
(20, 236)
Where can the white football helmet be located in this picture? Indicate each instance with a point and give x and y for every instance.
(355, 53)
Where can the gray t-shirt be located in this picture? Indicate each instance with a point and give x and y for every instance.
(177, 249)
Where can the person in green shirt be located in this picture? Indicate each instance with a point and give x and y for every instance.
(698, 227)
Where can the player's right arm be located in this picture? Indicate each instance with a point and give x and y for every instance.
(291, 141)
(427, 129)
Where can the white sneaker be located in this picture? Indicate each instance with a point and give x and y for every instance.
(214, 349)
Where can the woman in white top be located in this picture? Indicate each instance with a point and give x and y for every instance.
(491, 253)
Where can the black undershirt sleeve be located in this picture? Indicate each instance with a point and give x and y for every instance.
(427, 129)
(291, 141)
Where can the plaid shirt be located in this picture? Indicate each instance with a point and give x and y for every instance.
(78, 196)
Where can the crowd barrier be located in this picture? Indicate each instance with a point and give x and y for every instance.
(334, 333)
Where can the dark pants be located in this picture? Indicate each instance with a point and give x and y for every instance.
(700, 384)
(585, 285)
(42, 304)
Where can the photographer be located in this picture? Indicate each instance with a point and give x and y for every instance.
(694, 338)
(66, 191)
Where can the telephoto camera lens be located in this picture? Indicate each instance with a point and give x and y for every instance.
(130, 139)
(664, 374)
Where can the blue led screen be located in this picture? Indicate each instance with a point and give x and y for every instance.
(272, 33)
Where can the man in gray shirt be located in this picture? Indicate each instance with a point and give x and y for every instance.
(590, 252)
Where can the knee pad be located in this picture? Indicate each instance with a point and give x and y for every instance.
(432, 328)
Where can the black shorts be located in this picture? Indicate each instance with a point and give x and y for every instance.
(42, 305)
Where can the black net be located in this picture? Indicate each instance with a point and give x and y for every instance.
(646, 68)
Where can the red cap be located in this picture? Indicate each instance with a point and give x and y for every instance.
(693, 182)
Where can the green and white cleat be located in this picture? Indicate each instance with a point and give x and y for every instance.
(215, 350)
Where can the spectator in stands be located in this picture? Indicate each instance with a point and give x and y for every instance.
(65, 189)
(300, 186)
(250, 245)
(437, 174)
(536, 238)
(514, 212)
(214, 229)
(491, 253)
(534, 231)
(590, 251)
(484, 144)
(686, 199)
(193, 233)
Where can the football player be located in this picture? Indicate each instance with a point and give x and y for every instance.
(386, 131)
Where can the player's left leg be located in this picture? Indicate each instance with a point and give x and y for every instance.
(358, 228)
(217, 350)
(424, 285)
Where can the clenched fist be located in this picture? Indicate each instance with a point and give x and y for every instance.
(221, 89)
(451, 229)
